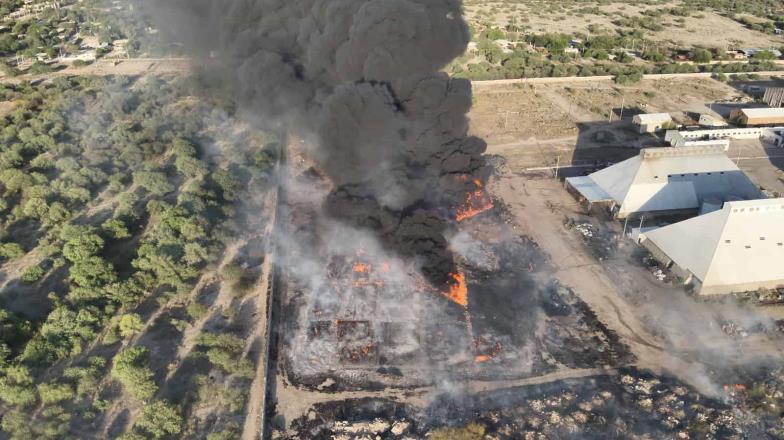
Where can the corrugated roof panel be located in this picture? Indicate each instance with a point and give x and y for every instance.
(589, 189)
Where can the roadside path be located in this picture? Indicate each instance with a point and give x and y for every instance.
(138, 66)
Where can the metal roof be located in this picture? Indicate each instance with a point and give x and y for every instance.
(743, 243)
(589, 189)
(664, 179)
(769, 112)
(652, 118)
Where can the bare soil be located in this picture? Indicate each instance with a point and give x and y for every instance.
(585, 122)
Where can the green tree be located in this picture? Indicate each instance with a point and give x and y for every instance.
(16, 387)
(116, 228)
(92, 272)
(80, 242)
(32, 273)
(153, 181)
(227, 182)
(702, 56)
(225, 351)
(160, 419)
(10, 251)
(190, 166)
(131, 368)
(50, 393)
(35, 208)
(130, 324)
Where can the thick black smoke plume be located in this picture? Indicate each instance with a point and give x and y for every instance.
(361, 80)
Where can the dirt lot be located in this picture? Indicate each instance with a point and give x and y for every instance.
(651, 316)
(517, 112)
(581, 122)
(703, 29)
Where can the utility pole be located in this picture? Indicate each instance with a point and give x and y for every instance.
(557, 165)
(623, 104)
(641, 220)
(625, 222)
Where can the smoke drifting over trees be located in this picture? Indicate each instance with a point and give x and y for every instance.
(360, 80)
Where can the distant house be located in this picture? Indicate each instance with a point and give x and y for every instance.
(757, 117)
(738, 248)
(652, 122)
(666, 181)
(736, 55)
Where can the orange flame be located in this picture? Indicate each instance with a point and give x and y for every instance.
(361, 268)
(458, 291)
(482, 358)
(475, 203)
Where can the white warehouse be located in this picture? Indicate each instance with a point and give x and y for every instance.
(739, 248)
(665, 181)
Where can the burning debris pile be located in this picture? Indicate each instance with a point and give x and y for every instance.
(383, 176)
(628, 405)
(367, 318)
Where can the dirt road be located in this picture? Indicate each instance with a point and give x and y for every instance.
(584, 79)
(130, 67)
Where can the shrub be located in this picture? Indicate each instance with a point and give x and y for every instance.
(10, 251)
(53, 393)
(196, 310)
(33, 274)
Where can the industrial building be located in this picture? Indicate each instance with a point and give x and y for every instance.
(736, 249)
(666, 181)
(757, 117)
(685, 138)
(652, 122)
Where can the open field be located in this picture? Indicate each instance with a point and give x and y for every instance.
(702, 29)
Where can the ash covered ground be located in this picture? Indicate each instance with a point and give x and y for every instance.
(359, 318)
(628, 405)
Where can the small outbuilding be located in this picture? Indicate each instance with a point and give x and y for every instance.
(653, 122)
(758, 117)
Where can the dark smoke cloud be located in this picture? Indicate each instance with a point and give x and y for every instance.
(360, 80)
